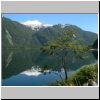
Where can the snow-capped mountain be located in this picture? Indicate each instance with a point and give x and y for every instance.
(35, 24)
(64, 25)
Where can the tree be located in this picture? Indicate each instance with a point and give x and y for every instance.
(60, 47)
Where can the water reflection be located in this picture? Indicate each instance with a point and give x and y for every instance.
(31, 67)
(32, 72)
(34, 78)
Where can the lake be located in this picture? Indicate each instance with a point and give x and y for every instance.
(30, 67)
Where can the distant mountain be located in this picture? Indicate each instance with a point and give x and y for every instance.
(36, 25)
(95, 44)
(95, 47)
(50, 33)
(17, 35)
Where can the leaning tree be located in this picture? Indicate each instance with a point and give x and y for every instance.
(60, 47)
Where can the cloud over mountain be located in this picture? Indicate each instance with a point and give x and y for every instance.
(35, 24)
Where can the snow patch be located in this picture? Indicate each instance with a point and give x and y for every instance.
(35, 24)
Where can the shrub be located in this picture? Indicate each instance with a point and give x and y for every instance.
(81, 76)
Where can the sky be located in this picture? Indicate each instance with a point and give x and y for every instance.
(88, 22)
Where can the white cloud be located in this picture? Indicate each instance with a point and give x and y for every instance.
(35, 24)
(32, 22)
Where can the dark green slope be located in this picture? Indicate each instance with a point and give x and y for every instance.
(50, 33)
(45, 34)
(95, 44)
(15, 34)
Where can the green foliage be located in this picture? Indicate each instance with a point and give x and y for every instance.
(81, 76)
(84, 74)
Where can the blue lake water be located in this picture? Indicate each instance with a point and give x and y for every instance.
(33, 79)
(31, 68)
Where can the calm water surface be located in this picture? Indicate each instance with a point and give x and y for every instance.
(32, 68)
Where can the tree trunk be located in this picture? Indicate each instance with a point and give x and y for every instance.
(66, 76)
(63, 65)
(65, 68)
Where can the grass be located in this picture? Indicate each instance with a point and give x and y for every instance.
(81, 76)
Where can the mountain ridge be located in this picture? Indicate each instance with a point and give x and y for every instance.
(15, 34)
